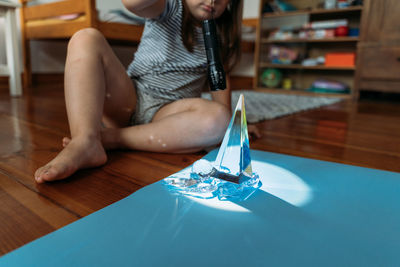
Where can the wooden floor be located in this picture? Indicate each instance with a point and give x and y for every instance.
(366, 133)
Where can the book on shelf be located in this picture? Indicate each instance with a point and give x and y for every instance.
(326, 24)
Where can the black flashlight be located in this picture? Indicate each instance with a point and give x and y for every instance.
(216, 73)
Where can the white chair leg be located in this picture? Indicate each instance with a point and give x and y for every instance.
(13, 61)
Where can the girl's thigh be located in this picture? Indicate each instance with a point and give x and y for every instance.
(196, 113)
(202, 106)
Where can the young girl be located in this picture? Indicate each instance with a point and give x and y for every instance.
(155, 105)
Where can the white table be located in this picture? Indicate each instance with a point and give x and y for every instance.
(12, 68)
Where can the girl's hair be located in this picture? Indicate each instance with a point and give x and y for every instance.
(229, 26)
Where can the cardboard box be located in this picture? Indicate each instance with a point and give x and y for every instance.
(340, 59)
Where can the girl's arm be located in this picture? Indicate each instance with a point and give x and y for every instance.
(145, 8)
(223, 96)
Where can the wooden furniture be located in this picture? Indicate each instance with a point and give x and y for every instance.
(40, 22)
(303, 76)
(362, 133)
(379, 47)
(12, 69)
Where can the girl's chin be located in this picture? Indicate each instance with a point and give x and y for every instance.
(203, 16)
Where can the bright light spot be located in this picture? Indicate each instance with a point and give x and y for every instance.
(282, 184)
(276, 181)
(218, 204)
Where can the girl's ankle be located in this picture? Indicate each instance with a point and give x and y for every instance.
(110, 138)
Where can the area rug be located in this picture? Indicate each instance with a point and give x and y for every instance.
(265, 106)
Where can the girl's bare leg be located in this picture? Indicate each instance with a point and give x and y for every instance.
(95, 82)
(185, 125)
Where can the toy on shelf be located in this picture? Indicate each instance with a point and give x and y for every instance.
(328, 86)
(282, 55)
(271, 78)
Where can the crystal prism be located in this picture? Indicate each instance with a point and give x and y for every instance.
(231, 176)
(233, 161)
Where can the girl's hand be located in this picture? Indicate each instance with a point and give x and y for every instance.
(253, 131)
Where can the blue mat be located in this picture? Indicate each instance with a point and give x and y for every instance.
(307, 213)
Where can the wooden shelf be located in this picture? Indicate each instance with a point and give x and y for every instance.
(300, 92)
(312, 12)
(304, 76)
(298, 66)
(325, 40)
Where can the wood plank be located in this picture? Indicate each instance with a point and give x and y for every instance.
(55, 79)
(54, 28)
(40, 111)
(250, 22)
(241, 82)
(247, 47)
(54, 9)
(289, 144)
(26, 215)
(352, 136)
(121, 31)
(37, 145)
(4, 87)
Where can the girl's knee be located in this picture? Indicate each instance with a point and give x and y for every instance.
(216, 121)
(85, 38)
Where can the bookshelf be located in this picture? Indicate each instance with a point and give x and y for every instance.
(325, 40)
(302, 76)
(299, 66)
(313, 11)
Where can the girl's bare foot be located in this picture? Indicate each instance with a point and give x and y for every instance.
(78, 153)
(65, 141)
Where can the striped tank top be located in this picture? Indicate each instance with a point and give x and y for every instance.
(162, 66)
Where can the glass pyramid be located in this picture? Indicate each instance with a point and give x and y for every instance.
(230, 176)
(233, 161)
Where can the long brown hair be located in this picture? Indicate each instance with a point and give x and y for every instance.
(229, 26)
